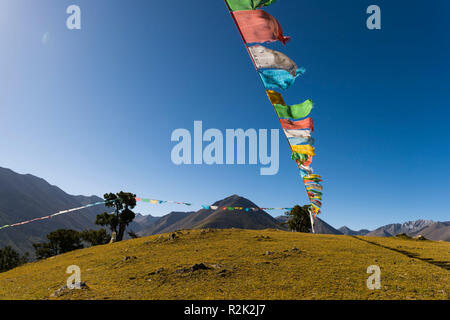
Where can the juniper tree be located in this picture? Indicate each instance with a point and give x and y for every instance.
(10, 259)
(299, 219)
(118, 221)
(60, 241)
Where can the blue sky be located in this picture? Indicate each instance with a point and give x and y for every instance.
(92, 110)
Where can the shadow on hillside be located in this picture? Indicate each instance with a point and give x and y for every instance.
(441, 264)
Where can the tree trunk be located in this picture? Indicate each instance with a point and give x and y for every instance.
(121, 232)
(113, 237)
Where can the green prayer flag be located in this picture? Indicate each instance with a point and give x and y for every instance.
(299, 156)
(237, 5)
(295, 111)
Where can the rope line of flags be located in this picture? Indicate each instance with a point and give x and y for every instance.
(145, 200)
(278, 72)
(53, 215)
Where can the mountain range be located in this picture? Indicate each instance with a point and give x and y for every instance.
(24, 197)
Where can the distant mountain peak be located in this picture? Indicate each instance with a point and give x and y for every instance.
(409, 227)
(413, 225)
(235, 201)
(349, 232)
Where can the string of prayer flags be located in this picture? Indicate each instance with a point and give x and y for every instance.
(279, 72)
(146, 200)
(206, 207)
(153, 201)
(53, 215)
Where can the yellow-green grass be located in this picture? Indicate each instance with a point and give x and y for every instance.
(245, 264)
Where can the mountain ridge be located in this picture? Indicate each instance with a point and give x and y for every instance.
(25, 196)
(349, 232)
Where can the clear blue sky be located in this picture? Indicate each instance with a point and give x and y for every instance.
(92, 111)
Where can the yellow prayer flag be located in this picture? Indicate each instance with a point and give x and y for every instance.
(275, 97)
(304, 149)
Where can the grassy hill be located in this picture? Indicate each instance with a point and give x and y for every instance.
(242, 264)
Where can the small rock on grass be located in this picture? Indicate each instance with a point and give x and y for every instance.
(127, 258)
(199, 266)
(172, 236)
(195, 267)
(65, 289)
(156, 272)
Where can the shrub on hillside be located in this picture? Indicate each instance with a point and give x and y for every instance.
(60, 241)
(299, 219)
(10, 259)
(95, 237)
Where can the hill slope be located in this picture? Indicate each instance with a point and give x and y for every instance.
(165, 223)
(241, 264)
(321, 227)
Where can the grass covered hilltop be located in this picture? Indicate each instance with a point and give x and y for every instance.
(240, 264)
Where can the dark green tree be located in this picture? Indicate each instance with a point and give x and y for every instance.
(299, 219)
(95, 237)
(10, 259)
(118, 221)
(133, 234)
(60, 241)
(43, 250)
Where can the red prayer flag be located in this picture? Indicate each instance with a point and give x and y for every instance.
(259, 26)
(300, 124)
(308, 161)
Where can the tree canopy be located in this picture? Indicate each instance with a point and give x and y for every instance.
(10, 259)
(118, 221)
(60, 241)
(299, 219)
